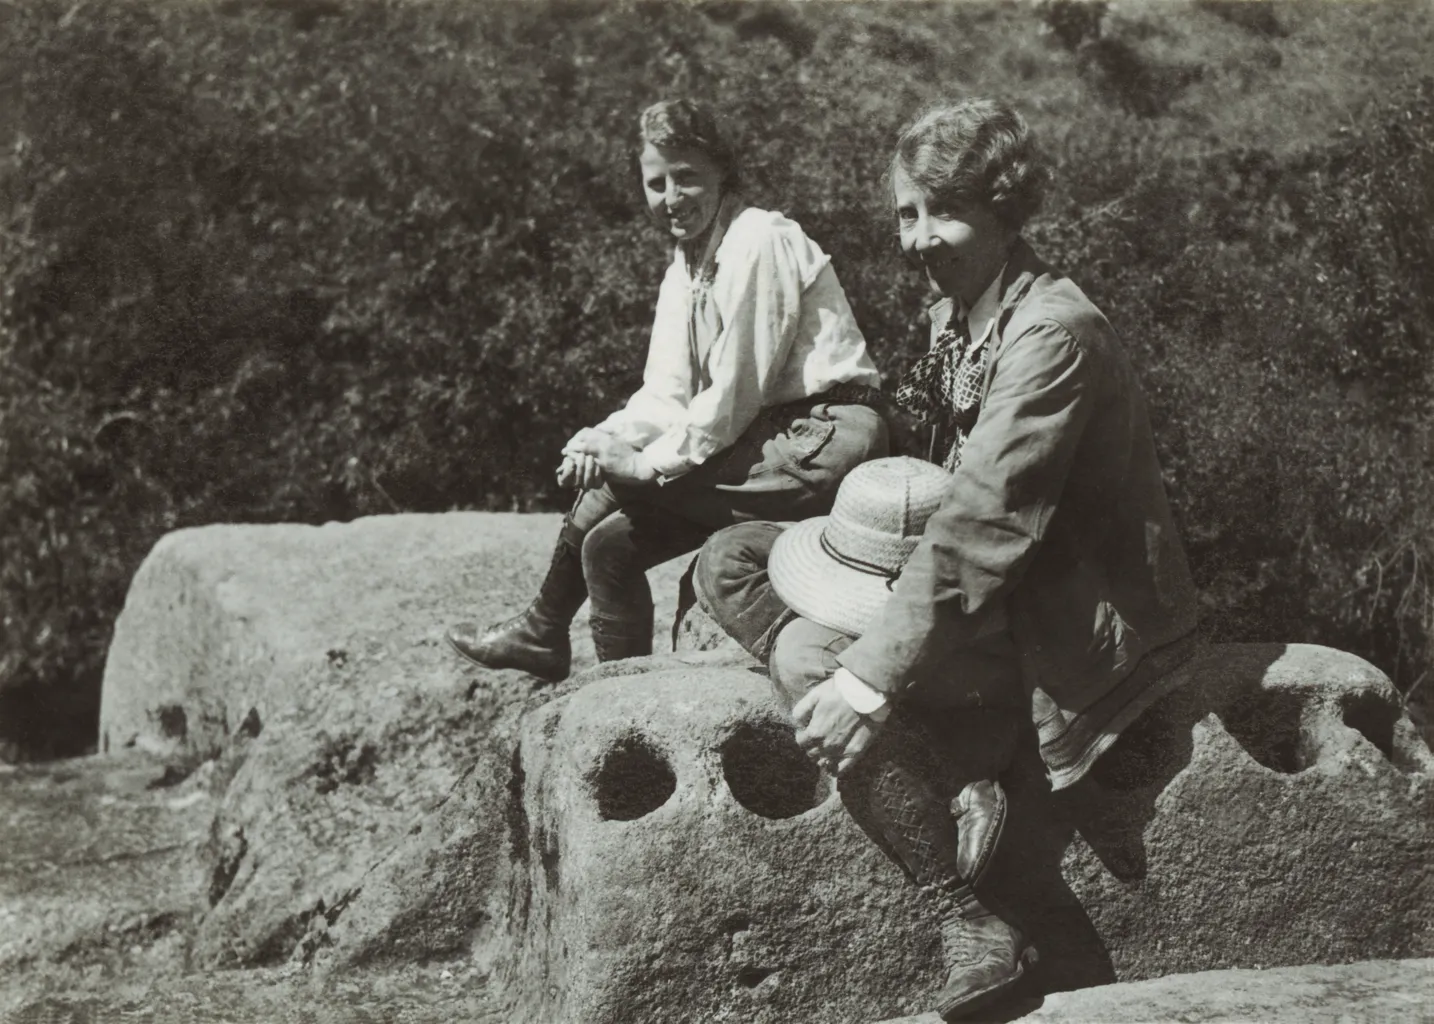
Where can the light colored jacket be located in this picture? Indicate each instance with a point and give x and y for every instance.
(764, 324)
(1056, 527)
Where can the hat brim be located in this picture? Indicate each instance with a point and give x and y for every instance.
(818, 587)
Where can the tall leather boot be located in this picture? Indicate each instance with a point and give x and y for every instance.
(985, 954)
(616, 638)
(945, 849)
(536, 639)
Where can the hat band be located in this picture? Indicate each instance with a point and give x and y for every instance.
(867, 568)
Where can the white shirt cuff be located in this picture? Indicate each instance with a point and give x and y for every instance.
(863, 699)
(662, 456)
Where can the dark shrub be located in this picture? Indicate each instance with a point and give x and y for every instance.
(306, 261)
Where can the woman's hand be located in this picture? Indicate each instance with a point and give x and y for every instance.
(617, 459)
(829, 731)
(581, 472)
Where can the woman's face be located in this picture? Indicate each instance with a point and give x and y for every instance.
(960, 246)
(683, 187)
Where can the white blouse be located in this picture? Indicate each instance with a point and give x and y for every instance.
(771, 326)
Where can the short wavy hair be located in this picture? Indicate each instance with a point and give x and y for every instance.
(687, 124)
(979, 151)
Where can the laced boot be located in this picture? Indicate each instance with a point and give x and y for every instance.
(615, 637)
(985, 954)
(536, 639)
(944, 848)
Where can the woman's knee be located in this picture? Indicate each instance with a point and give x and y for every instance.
(733, 558)
(608, 551)
(590, 509)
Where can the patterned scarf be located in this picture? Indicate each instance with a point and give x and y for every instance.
(943, 387)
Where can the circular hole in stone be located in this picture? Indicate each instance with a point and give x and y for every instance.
(1267, 725)
(1375, 718)
(633, 779)
(768, 774)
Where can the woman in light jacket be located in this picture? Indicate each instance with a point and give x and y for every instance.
(1049, 586)
(757, 398)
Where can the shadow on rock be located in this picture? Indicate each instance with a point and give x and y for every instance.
(1195, 842)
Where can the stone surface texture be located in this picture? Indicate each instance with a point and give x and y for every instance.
(1380, 990)
(307, 667)
(415, 994)
(444, 890)
(300, 774)
(679, 858)
(101, 865)
(1277, 810)
(1376, 990)
(223, 619)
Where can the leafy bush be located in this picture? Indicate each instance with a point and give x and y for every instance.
(305, 261)
(1281, 310)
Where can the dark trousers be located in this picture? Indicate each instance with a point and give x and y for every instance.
(786, 466)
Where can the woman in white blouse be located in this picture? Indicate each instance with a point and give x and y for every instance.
(757, 398)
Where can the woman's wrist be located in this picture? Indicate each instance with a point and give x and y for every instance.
(864, 699)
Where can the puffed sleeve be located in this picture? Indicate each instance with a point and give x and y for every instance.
(668, 378)
(1013, 470)
(758, 291)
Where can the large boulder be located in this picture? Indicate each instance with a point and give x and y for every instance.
(1300, 832)
(1380, 990)
(1275, 810)
(414, 994)
(307, 667)
(222, 621)
(646, 836)
(675, 848)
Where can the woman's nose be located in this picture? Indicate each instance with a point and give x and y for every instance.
(923, 238)
(672, 193)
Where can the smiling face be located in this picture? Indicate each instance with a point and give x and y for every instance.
(683, 188)
(960, 245)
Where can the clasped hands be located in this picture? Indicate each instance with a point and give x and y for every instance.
(830, 731)
(594, 456)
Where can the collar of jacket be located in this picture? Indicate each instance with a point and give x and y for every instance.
(1023, 266)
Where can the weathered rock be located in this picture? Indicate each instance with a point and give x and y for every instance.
(101, 864)
(1184, 847)
(222, 620)
(416, 994)
(308, 664)
(445, 889)
(1384, 990)
(680, 858)
(1277, 810)
(361, 802)
(446, 993)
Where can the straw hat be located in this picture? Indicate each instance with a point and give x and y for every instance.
(838, 570)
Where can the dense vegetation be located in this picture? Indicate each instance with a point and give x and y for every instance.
(302, 260)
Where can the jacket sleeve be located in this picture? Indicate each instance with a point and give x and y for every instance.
(758, 292)
(974, 550)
